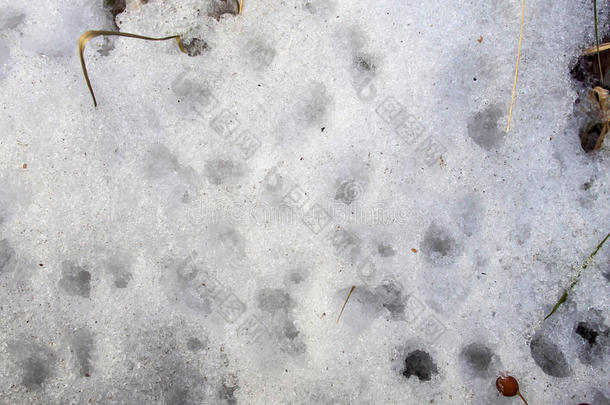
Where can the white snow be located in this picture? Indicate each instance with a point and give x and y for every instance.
(194, 237)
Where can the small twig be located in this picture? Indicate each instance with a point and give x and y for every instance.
(512, 99)
(345, 303)
(92, 34)
(599, 60)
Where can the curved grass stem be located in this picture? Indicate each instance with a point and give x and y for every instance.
(82, 41)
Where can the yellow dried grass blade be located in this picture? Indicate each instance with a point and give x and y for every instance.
(82, 41)
(512, 98)
(593, 50)
(240, 5)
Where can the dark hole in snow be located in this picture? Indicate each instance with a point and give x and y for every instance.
(594, 342)
(589, 137)
(420, 364)
(585, 69)
(585, 73)
(195, 46)
(586, 332)
(115, 7)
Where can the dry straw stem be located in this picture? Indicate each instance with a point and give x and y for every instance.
(240, 6)
(345, 303)
(82, 41)
(512, 99)
(599, 60)
(593, 49)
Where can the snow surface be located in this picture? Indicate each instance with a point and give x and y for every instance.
(193, 238)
